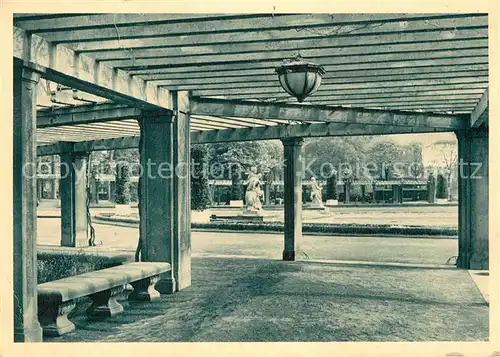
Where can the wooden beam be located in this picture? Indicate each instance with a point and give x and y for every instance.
(248, 109)
(336, 88)
(317, 55)
(374, 97)
(332, 72)
(85, 114)
(71, 22)
(384, 92)
(480, 113)
(338, 66)
(63, 65)
(400, 42)
(272, 79)
(278, 27)
(325, 59)
(250, 134)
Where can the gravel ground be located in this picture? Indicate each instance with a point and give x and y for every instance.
(264, 300)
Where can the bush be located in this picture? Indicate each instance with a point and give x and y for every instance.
(55, 266)
(236, 189)
(331, 188)
(329, 228)
(441, 187)
(122, 190)
(199, 183)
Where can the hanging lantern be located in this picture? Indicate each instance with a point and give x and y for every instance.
(300, 78)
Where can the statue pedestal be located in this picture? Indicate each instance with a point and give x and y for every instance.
(251, 216)
(316, 207)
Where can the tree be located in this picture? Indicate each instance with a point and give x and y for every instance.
(199, 182)
(448, 152)
(234, 161)
(322, 155)
(412, 158)
(441, 187)
(383, 157)
(122, 194)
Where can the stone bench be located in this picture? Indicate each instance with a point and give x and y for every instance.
(56, 299)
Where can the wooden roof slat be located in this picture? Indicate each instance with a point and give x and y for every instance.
(272, 81)
(457, 38)
(332, 88)
(320, 94)
(171, 56)
(327, 78)
(326, 59)
(332, 72)
(70, 22)
(142, 46)
(338, 66)
(274, 28)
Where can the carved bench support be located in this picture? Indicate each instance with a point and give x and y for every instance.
(144, 289)
(104, 303)
(54, 317)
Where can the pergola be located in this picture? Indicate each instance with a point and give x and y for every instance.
(160, 82)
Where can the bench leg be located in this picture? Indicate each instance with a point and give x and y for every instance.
(54, 317)
(104, 303)
(144, 289)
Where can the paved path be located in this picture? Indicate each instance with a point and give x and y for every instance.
(375, 249)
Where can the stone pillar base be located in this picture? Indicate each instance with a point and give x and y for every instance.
(289, 255)
(166, 286)
(31, 333)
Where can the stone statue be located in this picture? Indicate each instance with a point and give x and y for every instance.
(316, 196)
(253, 192)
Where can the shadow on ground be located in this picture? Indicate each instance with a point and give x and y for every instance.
(238, 299)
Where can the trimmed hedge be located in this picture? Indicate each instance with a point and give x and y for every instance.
(55, 266)
(122, 182)
(441, 187)
(312, 227)
(330, 228)
(331, 188)
(199, 182)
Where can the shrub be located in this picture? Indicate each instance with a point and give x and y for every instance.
(199, 183)
(331, 188)
(55, 266)
(122, 190)
(236, 189)
(441, 187)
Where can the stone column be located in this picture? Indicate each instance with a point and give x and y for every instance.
(73, 192)
(431, 189)
(473, 199)
(292, 196)
(156, 204)
(347, 191)
(53, 181)
(94, 190)
(395, 193)
(112, 190)
(26, 325)
(182, 191)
